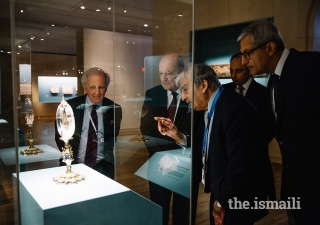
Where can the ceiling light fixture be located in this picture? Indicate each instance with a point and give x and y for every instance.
(145, 25)
(21, 10)
(124, 9)
(180, 15)
(82, 7)
(109, 8)
(129, 30)
(97, 10)
(53, 25)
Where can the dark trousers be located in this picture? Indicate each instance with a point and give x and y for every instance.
(102, 167)
(180, 204)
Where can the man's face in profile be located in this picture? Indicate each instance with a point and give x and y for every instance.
(194, 97)
(168, 72)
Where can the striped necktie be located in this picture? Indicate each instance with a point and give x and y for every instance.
(173, 107)
(241, 88)
(92, 145)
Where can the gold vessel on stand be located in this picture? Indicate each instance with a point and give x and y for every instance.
(66, 126)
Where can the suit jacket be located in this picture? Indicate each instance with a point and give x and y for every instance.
(238, 152)
(257, 94)
(298, 128)
(111, 119)
(155, 105)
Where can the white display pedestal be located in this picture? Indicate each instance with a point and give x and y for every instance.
(97, 200)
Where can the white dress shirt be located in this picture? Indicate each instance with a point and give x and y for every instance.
(85, 129)
(245, 85)
(278, 72)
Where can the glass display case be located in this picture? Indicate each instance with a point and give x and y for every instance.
(143, 45)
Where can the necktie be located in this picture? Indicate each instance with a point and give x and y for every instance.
(92, 145)
(275, 85)
(173, 106)
(240, 88)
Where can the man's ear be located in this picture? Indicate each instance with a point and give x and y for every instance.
(271, 48)
(204, 86)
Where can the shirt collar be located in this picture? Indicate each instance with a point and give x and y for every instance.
(246, 84)
(281, 62)
(177, 91)
(212, 98)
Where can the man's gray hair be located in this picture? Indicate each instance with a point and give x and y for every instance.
(95, 70)
(203, 72)
(262, 31)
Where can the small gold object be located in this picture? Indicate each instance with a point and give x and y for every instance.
(139, 138)
(31, 150)
(68, 177)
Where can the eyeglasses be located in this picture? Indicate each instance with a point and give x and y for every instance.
(246, 54)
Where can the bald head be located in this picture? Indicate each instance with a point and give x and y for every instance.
(170, 66)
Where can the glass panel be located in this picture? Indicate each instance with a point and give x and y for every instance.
(10, 136)
(150, 54)
(55, 43)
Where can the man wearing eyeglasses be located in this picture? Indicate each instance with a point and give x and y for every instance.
(165, 101)
(295, 100)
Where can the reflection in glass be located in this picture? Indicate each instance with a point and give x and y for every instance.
(29, 134)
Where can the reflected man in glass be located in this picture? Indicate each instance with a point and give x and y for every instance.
(165, 101)
(97, 124)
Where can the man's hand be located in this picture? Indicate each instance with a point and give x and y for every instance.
(166, 127)
(218, 214)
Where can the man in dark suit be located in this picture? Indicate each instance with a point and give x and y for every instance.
(158, 103)
(235, 148)
(257, 94)
(294, 90)
(244, 84)
(95, 83)
(167, 128)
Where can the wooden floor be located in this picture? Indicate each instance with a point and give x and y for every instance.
(130, 157)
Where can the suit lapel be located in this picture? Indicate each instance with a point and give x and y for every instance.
(285, 80)
(161, 104)
(250, 91)
(181, 113)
